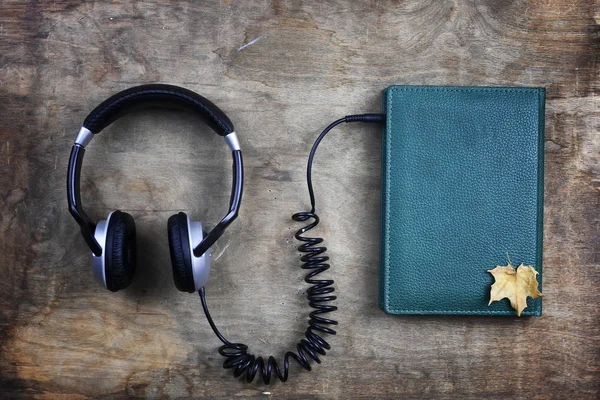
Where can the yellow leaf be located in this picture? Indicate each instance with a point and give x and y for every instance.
(516, 285)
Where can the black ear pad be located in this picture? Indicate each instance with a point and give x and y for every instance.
(120, 252)
(181, 255)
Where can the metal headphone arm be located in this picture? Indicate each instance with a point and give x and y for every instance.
(88, 227)
(234, 205)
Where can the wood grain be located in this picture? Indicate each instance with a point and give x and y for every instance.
(282, 70)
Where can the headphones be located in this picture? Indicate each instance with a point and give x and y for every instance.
(113, 240)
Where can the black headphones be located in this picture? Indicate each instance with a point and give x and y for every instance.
(112, 241)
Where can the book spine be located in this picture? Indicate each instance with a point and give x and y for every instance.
(537, 311)
(384, 201)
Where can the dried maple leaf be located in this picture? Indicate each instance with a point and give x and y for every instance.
(516, 285)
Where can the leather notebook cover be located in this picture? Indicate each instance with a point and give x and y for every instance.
(462, 191)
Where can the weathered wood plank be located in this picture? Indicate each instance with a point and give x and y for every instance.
(282, 71)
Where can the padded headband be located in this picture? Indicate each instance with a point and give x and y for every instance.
(164, 96)
(140, 97)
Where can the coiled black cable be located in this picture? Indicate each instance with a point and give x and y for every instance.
(314, 260)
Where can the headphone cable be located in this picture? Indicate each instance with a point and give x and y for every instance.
(314, 260)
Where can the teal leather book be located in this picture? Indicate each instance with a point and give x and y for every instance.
(462, 192)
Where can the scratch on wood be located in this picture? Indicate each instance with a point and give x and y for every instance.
(221, 252)
(249, 43)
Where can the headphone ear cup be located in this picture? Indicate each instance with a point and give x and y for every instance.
(181, 253)
(121, 249)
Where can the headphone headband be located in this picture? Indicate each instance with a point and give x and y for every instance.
(140, 97)
(164, 96)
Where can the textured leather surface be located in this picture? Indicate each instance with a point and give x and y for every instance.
(181, 256)
(462, 187)
(120, 261)
(157, 95)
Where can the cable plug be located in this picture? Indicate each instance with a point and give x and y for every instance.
(372, 118)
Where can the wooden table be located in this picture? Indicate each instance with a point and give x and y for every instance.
(282, 71)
